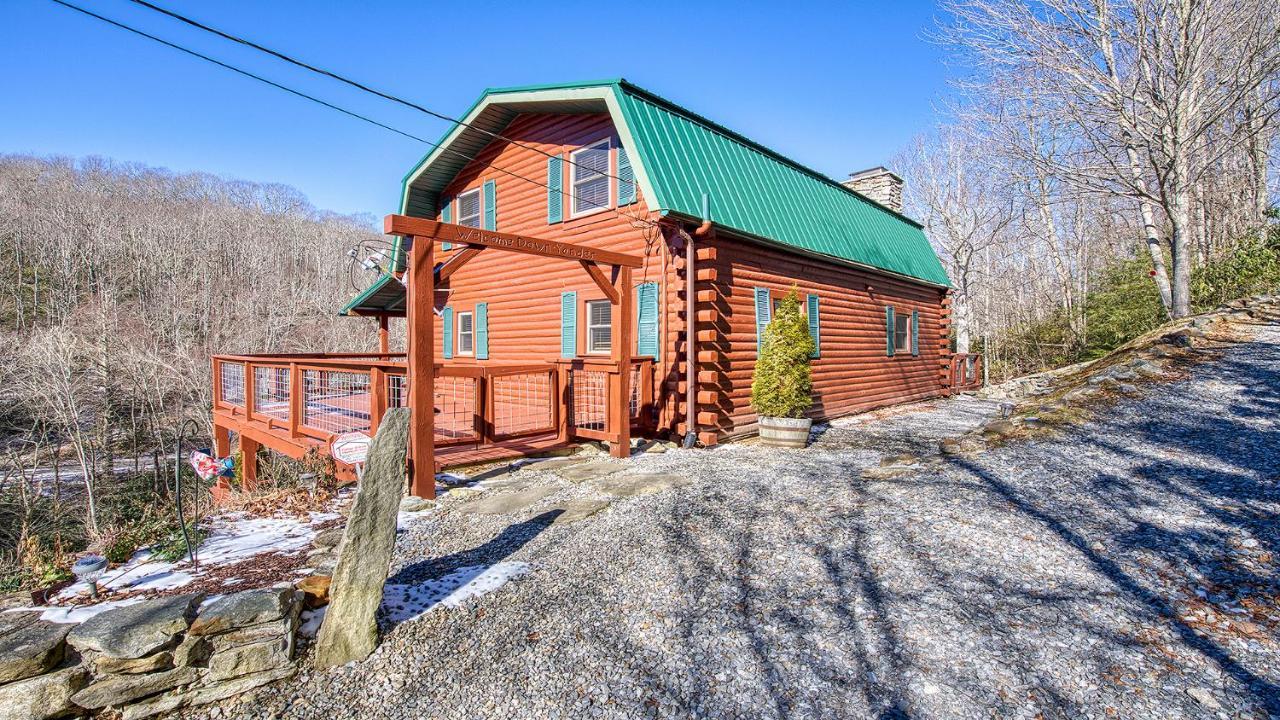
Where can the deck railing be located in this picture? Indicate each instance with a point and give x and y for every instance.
(296, 397)
(966, 371)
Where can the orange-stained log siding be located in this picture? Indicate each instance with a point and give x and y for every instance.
(854, 372)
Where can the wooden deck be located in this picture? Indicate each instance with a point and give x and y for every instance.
(297, 404)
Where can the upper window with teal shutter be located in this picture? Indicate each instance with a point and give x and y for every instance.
(626, 190)
(589, 171)
(490, 205)
(555, 186)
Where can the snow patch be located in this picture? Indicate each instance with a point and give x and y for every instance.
(75, 614)
(311, 621)
(407, 602)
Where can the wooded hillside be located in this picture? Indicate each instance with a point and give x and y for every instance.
(120, 280)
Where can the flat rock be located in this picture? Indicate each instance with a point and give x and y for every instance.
(204, 693)
(902, 459)
(133, 631)
(271, 630)
(555, 463)
(1002, 428)
(315, 591)
(193, 650)
(575, 510)
(646, 484)
(411, 504)
(507, 503)
(591, 471)
(29, 647)
(249, 659)
(43, 696)
(326, 539)
(249, 607)
(106, 665)
(120, 689)
(350, 631)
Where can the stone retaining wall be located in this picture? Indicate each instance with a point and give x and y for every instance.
(149, 657)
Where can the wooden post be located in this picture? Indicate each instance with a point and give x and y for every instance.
(621, 341)
(221, 441)
(377, 395)
(296, 394)
(384, 335)
(248, 462)
(563, 371)
(420, 297)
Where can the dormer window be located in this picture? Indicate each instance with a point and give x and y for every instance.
(469, 208)
(590, 173)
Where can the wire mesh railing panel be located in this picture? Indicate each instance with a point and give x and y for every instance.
(397, 391)
(522, 403)
(231, 386)
(589, 393)
(455, 408)
(633, 402)
(335, 401)
(271, 392)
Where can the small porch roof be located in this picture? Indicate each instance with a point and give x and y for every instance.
(386, 296)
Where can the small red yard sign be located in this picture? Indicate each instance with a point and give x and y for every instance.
(351, 447)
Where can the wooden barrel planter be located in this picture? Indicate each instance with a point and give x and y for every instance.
(785, 432)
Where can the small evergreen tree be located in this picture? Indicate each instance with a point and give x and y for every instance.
(781, 386)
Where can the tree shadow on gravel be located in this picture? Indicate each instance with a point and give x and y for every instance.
(512, 538)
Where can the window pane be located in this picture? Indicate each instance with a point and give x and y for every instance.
(599, 331)
(464, 322)
(469, 209)
(590, 178)
(601, 312)
(601, 338)
(591, 194)
(901, 329)
(590, 162)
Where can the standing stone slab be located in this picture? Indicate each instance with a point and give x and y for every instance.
(133, 631)
(350, 629)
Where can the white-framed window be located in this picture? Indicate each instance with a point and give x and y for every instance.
(902, 332)
(589, 171)
(599, 327)
(468, 207)
(466, 334)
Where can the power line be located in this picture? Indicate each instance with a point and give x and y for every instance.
(355, 84)
(331, 106)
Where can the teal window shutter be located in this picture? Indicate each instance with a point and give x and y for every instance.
(764, 313)
(446, 215)
(555, 181)
(647, 319)
(626, 179)
(915, 332)
(568, 324)
(888, 330)
(482, 331)
(815, 330)
(446, 326)
(490, 205)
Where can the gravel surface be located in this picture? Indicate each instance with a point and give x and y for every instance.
(1126, 568)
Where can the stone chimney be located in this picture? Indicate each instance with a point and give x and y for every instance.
(880, 185)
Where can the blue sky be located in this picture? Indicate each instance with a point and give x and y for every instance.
(838, 86)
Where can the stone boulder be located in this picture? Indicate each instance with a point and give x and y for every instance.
(137, 630)
(253, 658)
(28, 646)
(350, 630)
(242, 609)
(326, 539)
(43, 696)
(155, 662)
(121, 689)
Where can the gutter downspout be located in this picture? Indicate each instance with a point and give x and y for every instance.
(691, 325)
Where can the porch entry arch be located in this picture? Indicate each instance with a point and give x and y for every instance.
(419, 238)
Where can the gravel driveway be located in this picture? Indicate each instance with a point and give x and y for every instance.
(1125, 569)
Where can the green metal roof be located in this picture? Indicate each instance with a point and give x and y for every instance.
(679, 158)
(385, 295)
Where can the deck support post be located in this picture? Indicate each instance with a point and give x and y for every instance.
(384, 335)
(221, 441)
(248, 462)
(420, 296)
(622, 340)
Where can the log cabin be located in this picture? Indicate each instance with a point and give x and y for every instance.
(590, 261)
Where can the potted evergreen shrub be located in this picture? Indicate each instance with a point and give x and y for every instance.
(781, 388)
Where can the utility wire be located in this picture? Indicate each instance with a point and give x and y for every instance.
(356, 84)
(331, 106)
